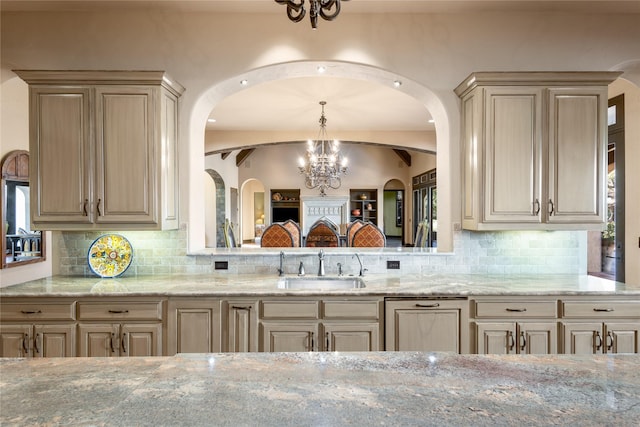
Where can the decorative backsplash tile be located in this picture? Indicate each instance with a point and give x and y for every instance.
(500, 253)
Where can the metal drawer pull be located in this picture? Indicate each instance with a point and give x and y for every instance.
(552, 210)
(30, 311)
(312, 343)
(428, 305)
(607, 310)
(113, 350)
(536, 209)
(84, 208)
(517, 310)
(512, 342)
(25, 338)
(124, 348)
(598, 339)
(98, 207)
(524, 341)
(239, 307)
(609, 341)
(35, 344)
(118, 311)
(327, 348)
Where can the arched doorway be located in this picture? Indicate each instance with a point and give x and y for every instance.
(393, 212)
(252, 217)
(215, 207)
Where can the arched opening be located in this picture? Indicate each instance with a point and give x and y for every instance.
(252, 212)
(210, 98)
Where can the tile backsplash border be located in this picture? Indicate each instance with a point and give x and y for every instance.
(496, 253)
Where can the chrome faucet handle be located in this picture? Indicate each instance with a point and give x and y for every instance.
(301, 269)
(281, 269)
(339, 269)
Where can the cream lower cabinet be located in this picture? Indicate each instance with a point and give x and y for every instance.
(240, 325)
(37, 328)
(320, 325)
(117, 328)
(37, 340)
(427, 325)
(600, 326)
(193, 325)
(514, 325)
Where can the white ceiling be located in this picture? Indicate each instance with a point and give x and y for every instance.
(292, 104)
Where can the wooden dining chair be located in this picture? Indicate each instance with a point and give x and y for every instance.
(294, 229)
(369, 236)
(322, 234)
(276, 236)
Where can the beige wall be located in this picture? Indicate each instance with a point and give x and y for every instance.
(203, 50)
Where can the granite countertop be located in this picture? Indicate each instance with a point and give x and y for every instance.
(267, 285)
(294, 389)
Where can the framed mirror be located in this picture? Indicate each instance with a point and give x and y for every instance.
(20, 244)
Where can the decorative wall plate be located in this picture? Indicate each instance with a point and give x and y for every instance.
(110, 255)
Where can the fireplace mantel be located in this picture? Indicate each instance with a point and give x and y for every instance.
(334, 208)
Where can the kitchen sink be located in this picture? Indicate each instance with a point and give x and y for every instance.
(321, 283)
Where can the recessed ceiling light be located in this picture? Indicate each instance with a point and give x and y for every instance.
(211, 120)
(431, 121)
(321, 69)
(244, 82)
(397, 83)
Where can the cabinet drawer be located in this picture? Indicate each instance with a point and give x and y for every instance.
(601, 309)
(49, 311)
(144, 310)
(351, 309)
(290, 309)
(515, 309)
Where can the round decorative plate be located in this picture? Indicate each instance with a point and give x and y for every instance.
(110, 255)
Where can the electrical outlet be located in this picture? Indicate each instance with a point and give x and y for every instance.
(393, 265)
(221, 265)
(457, 226)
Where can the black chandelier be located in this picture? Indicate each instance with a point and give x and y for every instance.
(327, 9)
(323, 163)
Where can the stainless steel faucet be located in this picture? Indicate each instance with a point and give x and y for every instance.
(321, 265)
(281, 269)
(362, 269)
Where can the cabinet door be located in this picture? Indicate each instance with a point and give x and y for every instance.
(61, 153)
(193, 327)
(356, 336)
(424, 330)
(622, 337)
(54, 341)
(496, 338)
(242, 324)
(126, 187)
(99, 340)
(141, 339)
(537, 338)
(576, 156)
(15, 340)
(583, 338)
(287, 337)
(512, 154)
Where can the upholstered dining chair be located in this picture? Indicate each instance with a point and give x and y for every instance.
(294, 229)
(352, 228)
(322, 234)
(276, 236)
(369, 236)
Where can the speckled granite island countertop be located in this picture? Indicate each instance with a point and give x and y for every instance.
(267, 285)
(329, 389)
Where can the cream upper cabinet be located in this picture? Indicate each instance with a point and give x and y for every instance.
(533, 148)
(104, 149)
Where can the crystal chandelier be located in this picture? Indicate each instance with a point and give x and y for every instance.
(323, 163)
(327, 9)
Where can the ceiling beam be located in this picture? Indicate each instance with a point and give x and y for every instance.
(243, 155)
(404, 155)
(225, 154)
